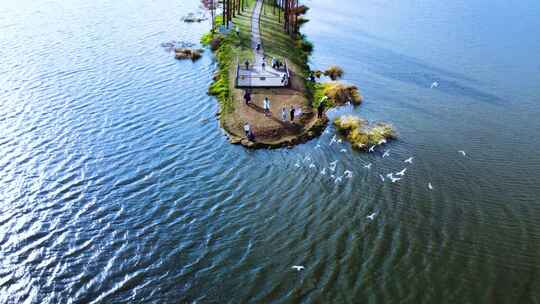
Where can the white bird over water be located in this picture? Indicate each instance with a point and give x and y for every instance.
(297, 165)
(372, 149)
(339, 141)
(347, 173)
(368, 166)
(318, 146)
(382, 141)
(312, 165)
(338, 179)
(326, 132)
(402, 172)
(307, 158)
(386, 153)
(390, 175)
(333, 166)
(409, 160)
(333, 140)
(435, 84)
(382, 177)
(361, 145)
(395, 179)
(430, 186)
(372, 216)
(298, 267)
(343, 150)
(323, 171)
(462, 152)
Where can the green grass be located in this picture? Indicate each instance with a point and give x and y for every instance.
(231, 48)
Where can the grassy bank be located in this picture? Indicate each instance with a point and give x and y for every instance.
(228, 49)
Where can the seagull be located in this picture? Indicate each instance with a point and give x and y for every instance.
(434, 85)
(382, 141)
(368, 166)
(395, 179)
(343, 150)
(386, 153)
(326, 132)
(430, 186)
(307, 158)
(332, 176)
(338, 179)
(339, 141)
(347, 174)
(318, 146)
(390, 175)
(402, 172)
(462, 152)
(298, 268)
(382, 177)
(361, 145)
(409, 160)
(312, 165)
(372, 148)
(333, 140)
(372, 216)
(333, 166)
(323, 171)
(297, 165)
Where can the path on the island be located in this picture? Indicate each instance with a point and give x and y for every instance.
(256, 76)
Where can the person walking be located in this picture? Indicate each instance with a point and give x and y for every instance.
(284, 114)
(320, 109)
(247, 97)
(292, 113)
(246, 63)
(266, 106)
(247, 130)
(263, 64)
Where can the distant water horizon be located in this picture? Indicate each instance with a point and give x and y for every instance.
(118, 184)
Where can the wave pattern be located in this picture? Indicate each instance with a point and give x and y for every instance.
(118, 184)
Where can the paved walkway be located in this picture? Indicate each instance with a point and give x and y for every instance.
(256, 76)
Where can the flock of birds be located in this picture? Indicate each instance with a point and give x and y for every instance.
(331, 172)
(392, 176)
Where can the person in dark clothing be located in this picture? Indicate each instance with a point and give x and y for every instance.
(247, 97)
(292, 113)
(246, 63)
(320, 110)
(312, 77)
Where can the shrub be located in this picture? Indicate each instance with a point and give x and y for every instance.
(341, 93)
(360, 133)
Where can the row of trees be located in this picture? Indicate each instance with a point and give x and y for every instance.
(289, 12)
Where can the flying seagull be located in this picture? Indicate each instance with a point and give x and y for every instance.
(339, 141)
(372, 149)
(312, 165)
(368, 166)
(390, 175)
(430, 186)
(382, 177)
(318, 146)
(382, 141)
(323, 172)
(343, 150)
(434, 85)
(386, 153)
(297, 165)
(298, 268)
(402, 172)
(338, 179)
(372, 216)
(462, 152)
(409, 160)
(347, 173)
(333, 140)
(395, 179)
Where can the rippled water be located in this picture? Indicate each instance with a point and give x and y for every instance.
(118, 185)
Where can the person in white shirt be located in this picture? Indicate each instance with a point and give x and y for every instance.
(266, 106)
(284, 114)
(247, 130)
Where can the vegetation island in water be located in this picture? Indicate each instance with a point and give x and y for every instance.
(268, 95)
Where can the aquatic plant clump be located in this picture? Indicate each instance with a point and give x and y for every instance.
(187, 53)
(337, 93)
(361, 134)
(334, 72)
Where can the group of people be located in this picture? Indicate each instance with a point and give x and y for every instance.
(286, 113)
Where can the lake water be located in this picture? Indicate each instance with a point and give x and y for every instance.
(117, 184)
